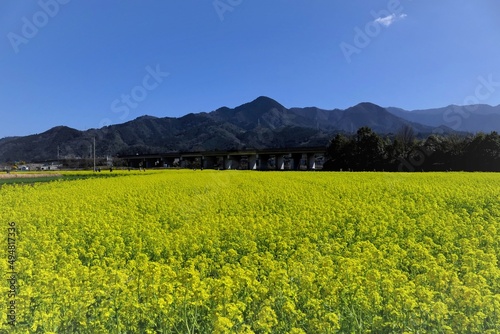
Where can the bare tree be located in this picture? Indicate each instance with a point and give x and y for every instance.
(406, 136)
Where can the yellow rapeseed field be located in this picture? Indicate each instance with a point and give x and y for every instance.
(252, 252)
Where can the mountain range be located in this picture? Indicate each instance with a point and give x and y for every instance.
(262, 123)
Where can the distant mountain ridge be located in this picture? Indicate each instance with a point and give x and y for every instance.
(472, 118)
(262, 123)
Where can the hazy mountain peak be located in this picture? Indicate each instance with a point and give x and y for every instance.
(263, 103)
(365, 106)
(370, 105)
(61, 130)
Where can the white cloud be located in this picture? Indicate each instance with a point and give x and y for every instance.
(390, 19)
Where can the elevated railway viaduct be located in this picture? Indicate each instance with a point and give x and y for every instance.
(307, 158)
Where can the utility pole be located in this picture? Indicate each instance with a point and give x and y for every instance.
(94, 155)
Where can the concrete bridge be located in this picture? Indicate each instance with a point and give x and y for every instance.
(307, 158)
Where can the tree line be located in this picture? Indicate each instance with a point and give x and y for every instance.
(368, 151)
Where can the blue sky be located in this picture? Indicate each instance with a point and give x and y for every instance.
(90, 63)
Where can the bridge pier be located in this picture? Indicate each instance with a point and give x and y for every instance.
(280, 162)
(311, 164)
(253, 162)
(228, 163)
